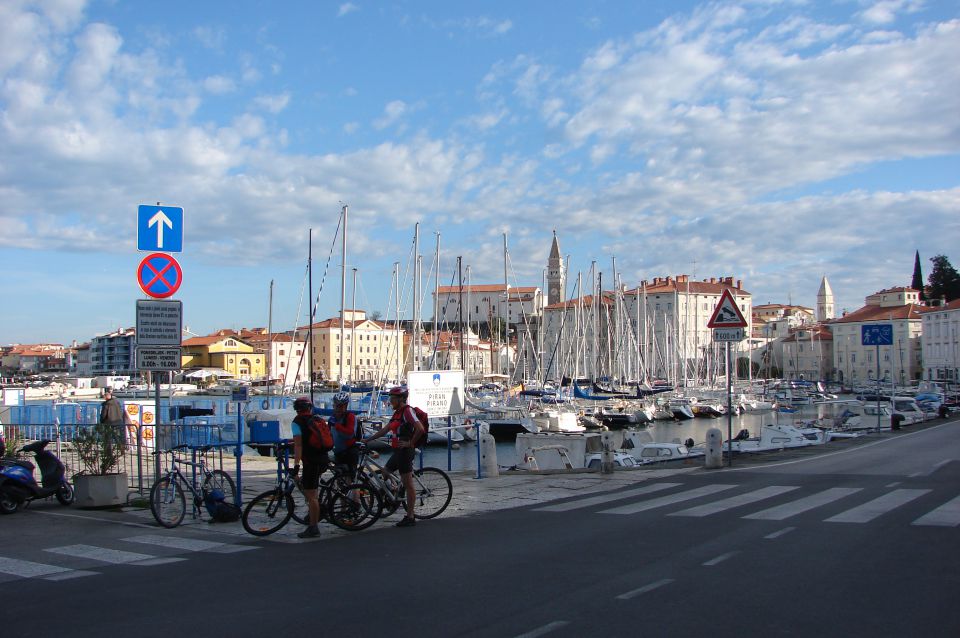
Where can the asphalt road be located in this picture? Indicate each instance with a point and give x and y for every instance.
(860, 542)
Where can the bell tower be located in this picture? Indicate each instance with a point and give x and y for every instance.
(556, 274)
(825, 310)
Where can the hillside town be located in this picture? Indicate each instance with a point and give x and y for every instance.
(655, 331)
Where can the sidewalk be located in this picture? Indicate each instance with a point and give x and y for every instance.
(517, 489)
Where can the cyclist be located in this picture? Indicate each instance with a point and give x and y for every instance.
(407, 430)
(344, 424)
(314, 464)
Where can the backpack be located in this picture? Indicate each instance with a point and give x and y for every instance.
(219, 509)
(317, 435)
(424, 419)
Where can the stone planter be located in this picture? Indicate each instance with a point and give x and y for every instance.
(94, 490)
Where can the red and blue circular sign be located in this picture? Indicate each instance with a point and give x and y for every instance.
(159, 275)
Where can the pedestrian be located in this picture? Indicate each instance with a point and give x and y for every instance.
(111, 412)
(314, 464)
(344, 424)
(407, 431)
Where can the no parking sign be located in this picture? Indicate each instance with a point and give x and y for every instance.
(159, 275)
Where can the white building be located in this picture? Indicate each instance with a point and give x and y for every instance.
(656, 330)
(941, 342)
(899, 363)
(808, 354)
(486, 302)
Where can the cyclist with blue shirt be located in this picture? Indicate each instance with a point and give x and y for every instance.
(314, 464)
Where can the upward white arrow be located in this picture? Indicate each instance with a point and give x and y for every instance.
(160, 219)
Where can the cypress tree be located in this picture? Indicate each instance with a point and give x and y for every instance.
(917, 283)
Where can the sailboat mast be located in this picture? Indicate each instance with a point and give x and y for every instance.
(270, 339)
(310, 311)
(353, 332)
(343, 293)
(399, 332)
(416, 296)
(506, 293)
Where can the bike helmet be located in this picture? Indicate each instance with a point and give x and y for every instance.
(341, 398)
(399, 392)
(303, 403)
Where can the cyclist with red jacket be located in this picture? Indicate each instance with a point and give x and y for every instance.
(407, 431)
(344, 430)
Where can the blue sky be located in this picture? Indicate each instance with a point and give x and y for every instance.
(775, 142)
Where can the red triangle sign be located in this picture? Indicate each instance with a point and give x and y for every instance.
(727, 313)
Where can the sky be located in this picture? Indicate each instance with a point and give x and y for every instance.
(775, 142)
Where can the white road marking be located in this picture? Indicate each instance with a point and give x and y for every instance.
(187, 544)
(26, 569)
(645, 589)
(947, 515)
(643, 506)
(95, 518)
(102, 554)
(878, 506)
(540, 631)
(933, 470)
(781, 512)
(719, 559)
(606, 498)
(736, 501)
(779, 533)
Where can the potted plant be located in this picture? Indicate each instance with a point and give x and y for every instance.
(100, 449)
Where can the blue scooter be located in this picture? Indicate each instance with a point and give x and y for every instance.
(17, 485)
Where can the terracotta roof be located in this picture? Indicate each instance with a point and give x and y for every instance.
(335, 323)
(209, 340)
(879, 313)
(953, 305)
(486, 288)
(820, 333)
(897, 289)
(585, 301)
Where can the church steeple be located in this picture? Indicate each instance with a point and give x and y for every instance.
(825, 311)
(556, 274)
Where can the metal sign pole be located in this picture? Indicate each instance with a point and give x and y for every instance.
(878, 388)
(729, 411)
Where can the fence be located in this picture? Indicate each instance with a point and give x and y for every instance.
(213, 440)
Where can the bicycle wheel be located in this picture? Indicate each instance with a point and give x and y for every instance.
(267, 512)
(354, 507)
(301, 513)
(220, 480)
(167, 501)
(434, 491)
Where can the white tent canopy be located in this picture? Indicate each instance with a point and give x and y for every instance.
(206, 373)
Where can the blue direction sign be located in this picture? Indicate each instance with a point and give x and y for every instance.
(160, 228)
(879, 334)
(159, 275)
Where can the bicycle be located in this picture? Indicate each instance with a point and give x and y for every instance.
(348, 505)
(434, 489)
(271, 510)
(168, 494)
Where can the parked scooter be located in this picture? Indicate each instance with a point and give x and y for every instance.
(17, 485)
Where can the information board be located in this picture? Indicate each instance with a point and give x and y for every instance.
(159, 322)
(437, 392)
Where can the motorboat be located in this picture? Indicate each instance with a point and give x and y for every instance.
(681, 407)
(648, 453)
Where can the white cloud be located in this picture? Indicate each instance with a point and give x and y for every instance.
(885, 11)
(219, 85)
(272, 103)
(345, 8)
(392, 113)
(213, 38)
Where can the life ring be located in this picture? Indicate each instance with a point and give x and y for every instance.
(265, 404)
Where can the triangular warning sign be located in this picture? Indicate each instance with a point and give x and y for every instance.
(727, 314)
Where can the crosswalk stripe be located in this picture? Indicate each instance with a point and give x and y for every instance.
(172, 542)
(736, 501)
(947, 515)
(799, 506)
(101, 554)
(26, 569)
(606, 498)
(878, 506)
(643, 506)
